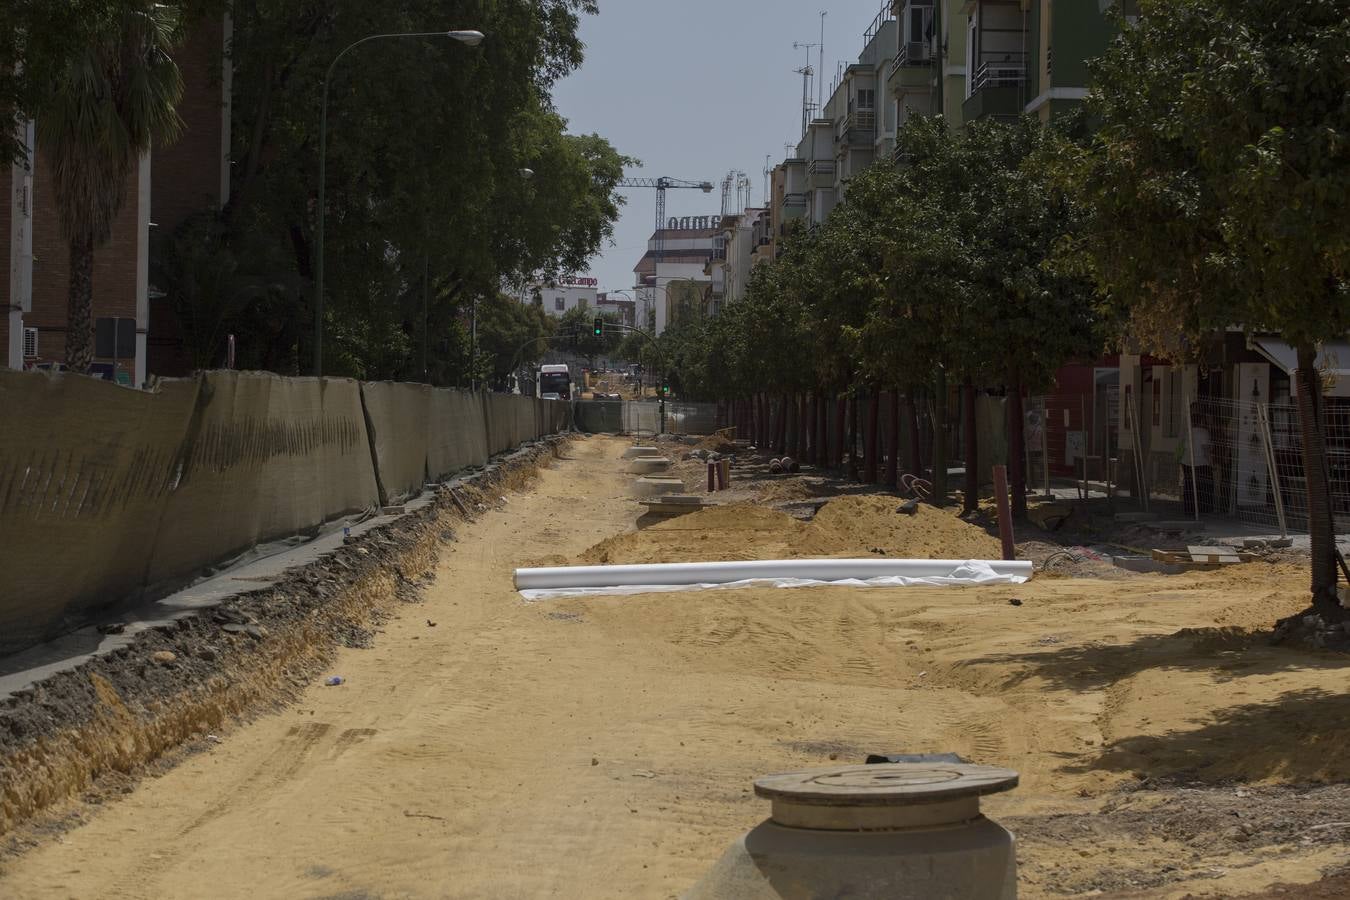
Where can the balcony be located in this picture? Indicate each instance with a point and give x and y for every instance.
(1000, 70)
(821, 172)
(858, 127)
(797, 200)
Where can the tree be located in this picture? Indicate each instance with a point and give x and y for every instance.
(511, 334)
(1219, 190)
(428, 207)
(576, 332)
(107, 105)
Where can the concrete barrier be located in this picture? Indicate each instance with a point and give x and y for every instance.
(86, 469)
(397, 416)
(107, 493)
(457, 432)
(270, 457)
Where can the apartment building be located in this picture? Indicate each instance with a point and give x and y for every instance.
(559, 298)
(1030, 56)
(669, 277)
(734, 255)
(168, 185)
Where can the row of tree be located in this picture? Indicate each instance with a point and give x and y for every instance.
(1211, 190)
(450, 174)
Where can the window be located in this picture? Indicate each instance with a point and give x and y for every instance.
(114, 338)
(866, 98)
(560, 304)
(30, 343)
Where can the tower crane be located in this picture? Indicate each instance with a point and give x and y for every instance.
(662, 185)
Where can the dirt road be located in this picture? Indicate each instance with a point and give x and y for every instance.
(604, 747)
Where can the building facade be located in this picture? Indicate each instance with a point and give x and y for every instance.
(559, 299)
(666, 286)
(168, 185)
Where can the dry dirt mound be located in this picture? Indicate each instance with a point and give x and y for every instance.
(844, 527)
(719, 534)
(867, 523)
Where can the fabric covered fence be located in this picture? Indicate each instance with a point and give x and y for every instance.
(109, 494)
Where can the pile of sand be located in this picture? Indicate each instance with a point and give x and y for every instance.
(844, 527)
(864, 524)
(719, 441)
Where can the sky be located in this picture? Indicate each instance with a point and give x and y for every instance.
(694, 88)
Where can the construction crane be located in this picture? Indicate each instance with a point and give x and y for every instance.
(662, 185)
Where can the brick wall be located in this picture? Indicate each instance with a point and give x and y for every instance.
(6, 208)
(114, 268)
(185, 178)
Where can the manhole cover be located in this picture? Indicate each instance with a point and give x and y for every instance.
(893, 784)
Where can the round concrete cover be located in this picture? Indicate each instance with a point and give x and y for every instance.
(890, 784)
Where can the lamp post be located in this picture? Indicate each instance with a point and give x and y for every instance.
(470, 38)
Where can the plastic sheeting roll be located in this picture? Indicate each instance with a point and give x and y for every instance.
(825, 570)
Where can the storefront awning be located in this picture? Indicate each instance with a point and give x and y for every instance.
(1334, 357)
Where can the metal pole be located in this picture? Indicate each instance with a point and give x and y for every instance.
(323, 209)
(1268, 441)
(1005, 525)
(323, 172)
(426, 304)
(1190, 451)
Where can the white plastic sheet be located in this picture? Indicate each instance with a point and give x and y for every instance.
(956, 573)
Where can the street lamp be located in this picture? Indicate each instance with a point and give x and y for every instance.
(469, 38)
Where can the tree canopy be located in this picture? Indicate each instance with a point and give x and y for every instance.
(1219, 189)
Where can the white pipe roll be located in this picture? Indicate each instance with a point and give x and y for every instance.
(728, 572)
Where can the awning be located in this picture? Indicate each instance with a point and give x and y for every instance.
(1333, 357)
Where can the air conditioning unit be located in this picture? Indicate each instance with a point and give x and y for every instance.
(30, 343)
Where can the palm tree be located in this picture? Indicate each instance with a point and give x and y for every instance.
(114, 99)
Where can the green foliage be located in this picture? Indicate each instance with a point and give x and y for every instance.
(106, 104)
(1219, 180)
(511, 334)
(427, 144)
(576, 333)
(1219, 190)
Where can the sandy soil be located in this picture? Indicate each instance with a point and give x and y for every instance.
(604, 747)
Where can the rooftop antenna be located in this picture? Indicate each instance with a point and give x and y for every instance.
(806, 72)
(820, 85)
(768, 168)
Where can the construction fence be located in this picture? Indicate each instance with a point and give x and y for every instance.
(109, 494)
(646, 417)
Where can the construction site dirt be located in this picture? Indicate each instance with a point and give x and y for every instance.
(482, 746)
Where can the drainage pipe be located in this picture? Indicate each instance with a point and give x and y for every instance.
(651, 574)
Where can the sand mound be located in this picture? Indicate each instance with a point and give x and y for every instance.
(844, 527)
(862, 524)
(718, 534)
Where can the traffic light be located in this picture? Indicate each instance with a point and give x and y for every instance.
(665, 390)
(599, 326)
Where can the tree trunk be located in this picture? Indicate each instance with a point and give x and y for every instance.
(840, 430)
(853, 472)
(80, 306)
(971, 500)
(1017, 446)
(786, 404)
(893, 441)
(1321, 526)
(822, 431)
(799, 429)
(915, 463)
(940, 440)
(872, 449)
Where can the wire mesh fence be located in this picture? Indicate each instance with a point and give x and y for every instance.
(1227, 466)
